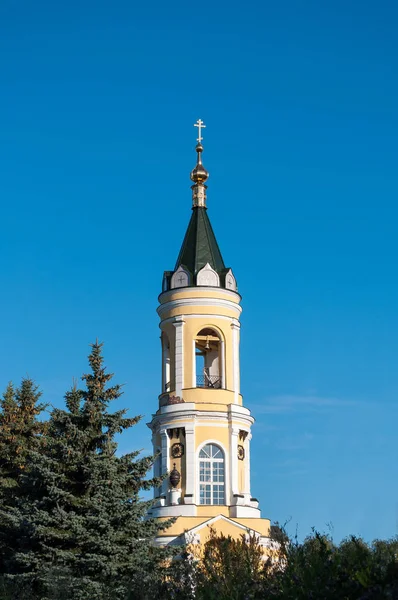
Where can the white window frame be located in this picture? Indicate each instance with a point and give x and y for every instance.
(212, 461)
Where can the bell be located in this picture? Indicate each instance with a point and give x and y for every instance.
(207, 346)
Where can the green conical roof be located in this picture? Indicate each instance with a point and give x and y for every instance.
(200, 245)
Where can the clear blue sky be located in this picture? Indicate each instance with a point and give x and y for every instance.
(300, 99)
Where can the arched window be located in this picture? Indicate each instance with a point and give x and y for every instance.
(211, 475)
(208, 359)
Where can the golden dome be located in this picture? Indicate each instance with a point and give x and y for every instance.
(199, 173)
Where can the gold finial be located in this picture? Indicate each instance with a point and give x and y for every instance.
(199, 174)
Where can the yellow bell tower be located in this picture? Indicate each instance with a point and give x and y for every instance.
(201, 430)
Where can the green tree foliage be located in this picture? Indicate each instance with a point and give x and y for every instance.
(229, 568)
(20, 433)
(20, 429)
(318, 568)
(80, 523)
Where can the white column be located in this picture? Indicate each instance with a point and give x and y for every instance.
(222, 370)
(190, 466)
(194, 364)
(247, 491)
(165, 466)
(163, 369)
(235, 325)
(179, 355)
(234, 461)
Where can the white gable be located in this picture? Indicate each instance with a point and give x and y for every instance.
(208, 276)
(230, 281)
(180, 278)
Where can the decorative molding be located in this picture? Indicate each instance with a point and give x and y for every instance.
(230, 281)
(243, 434)
(241, 452)
(207, 276)
(177, 450)
(180, 278)
(175, 400)
(203, 288)
(214, 302)
(198, 316)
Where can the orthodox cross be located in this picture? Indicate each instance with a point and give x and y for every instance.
(200, 125)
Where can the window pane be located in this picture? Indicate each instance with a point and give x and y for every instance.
(216, 451)
(205, 452)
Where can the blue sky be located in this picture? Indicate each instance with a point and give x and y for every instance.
(97, 103)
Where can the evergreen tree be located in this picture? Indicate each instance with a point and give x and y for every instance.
(20, 433)
(80, 522)
(19, 427)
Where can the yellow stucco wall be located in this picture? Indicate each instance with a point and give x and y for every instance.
(182, 524)
(194, 307)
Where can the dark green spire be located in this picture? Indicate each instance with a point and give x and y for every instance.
(200, 245)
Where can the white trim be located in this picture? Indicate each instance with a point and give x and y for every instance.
(194, 363)
(235, 326)
(247, 491)
(185, 418)
(239, 512)
(226, 471)
(198, 316)
(221, 518)
(234, 458)
(202, 288)
(190, 462)
(198, 301)
(223, 381)
(178, 510)
(165, 467)
(179, 355)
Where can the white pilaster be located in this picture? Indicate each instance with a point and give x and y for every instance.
(223, 384)
(193, 364)
(235, 325)
(179, 355)
(165, 466)
(234, 461)
(247, 491)
(190, 464)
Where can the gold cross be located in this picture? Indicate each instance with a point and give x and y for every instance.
(200, 125)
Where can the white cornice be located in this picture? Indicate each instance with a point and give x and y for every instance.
(183, 418)
(199, 301)
(210, 290)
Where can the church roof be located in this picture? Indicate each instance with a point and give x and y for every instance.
(200, 245)
(199, 262)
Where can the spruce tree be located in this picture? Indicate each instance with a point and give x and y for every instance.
(20, 433)
(81, 523)
(19, 427)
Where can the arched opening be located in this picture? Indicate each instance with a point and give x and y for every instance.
(208, 359)
(166, 371)
(211, 475)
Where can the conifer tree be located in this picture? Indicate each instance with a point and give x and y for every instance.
(80, 520)
(20, 433)
(19, 427)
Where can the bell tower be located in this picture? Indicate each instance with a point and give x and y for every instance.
(201, 431)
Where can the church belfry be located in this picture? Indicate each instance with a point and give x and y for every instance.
(201, 431)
